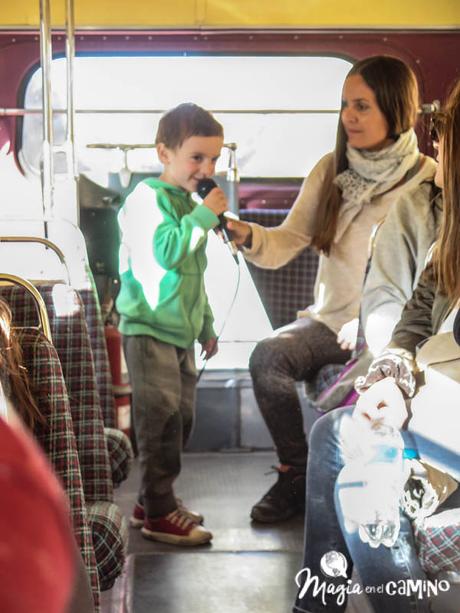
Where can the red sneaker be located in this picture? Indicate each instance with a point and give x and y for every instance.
(193, 515)
(176, 529)
(137, 518)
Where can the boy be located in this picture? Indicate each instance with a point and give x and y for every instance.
(163, 308)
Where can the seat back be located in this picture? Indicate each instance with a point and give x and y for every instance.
(101, 359)
(438, 539)
(63, 257)
(290, 288)
(30, 259)
(56, 436)
(70, 338)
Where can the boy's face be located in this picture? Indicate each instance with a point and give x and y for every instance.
(195, 159)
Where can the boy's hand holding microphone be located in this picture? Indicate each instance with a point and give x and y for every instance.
(235, 233)
(212, 195)
(214, 198)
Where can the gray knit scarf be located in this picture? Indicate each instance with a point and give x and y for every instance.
(371, 173)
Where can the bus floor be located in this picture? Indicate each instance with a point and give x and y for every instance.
(248, 567)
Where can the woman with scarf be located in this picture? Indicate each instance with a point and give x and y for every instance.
(375, 161)
(401, 393)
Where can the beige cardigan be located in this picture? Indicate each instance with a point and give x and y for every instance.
(339, 281)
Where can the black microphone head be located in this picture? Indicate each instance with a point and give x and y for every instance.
(204, 187)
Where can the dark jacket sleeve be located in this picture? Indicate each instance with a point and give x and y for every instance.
(416, 324)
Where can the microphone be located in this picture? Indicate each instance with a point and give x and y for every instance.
(203, 188)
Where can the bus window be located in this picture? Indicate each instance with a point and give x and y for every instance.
(266, 103)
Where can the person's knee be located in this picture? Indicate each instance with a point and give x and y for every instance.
(265, 357)
(327, 426)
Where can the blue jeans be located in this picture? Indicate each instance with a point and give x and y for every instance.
(325, 531)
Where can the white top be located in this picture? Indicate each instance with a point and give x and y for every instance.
(340, 276)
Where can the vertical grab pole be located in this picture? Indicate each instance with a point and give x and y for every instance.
(70, 128)
(233, 179)
(47, 167)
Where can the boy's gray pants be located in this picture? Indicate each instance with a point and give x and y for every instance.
(163, 379)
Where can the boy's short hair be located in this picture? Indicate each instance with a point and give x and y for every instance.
(183, 121)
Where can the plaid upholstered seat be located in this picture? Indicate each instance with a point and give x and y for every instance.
(109, 546)
(438, 538)
(119, 445)
(324, 379)
(71, 340)
(120, 453)
(290, 288)
(57, 436)
(101, 359)
(438, 543)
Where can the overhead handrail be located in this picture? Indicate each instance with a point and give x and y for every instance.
(6, 278)
(424, 109)
(19, 112)
(125, 171)
(44, 241)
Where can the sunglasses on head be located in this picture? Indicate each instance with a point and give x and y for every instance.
(437, 125)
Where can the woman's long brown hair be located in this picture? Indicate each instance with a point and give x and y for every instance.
(446, 255)
(396, 91)
(13, 375)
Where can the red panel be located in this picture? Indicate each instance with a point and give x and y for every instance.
(433, 54)
(268, 195)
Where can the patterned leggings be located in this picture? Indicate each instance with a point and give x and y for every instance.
(294, 353)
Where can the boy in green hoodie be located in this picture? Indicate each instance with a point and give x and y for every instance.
(163, 308)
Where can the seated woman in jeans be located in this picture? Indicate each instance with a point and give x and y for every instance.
(431, 310)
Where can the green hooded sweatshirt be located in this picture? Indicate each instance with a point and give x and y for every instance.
(162, 264)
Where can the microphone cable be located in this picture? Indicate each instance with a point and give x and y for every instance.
(224, 323)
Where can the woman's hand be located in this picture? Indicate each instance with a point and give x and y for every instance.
(241, 232)
(383, 403)
(209, 348)
(347, 336)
